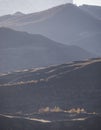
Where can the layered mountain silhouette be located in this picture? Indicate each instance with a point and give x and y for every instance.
(63, 94)
(19, 50)
(67, 24)
(70, 85)
(90, 42)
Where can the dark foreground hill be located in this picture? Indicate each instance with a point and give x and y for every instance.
(70, 85)
(19, 50)
(24, 124)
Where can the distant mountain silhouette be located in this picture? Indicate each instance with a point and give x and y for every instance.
(19, 50)
(70, 85)
(93, 10)
(67, 24)
(90, 42)
(18, 13)
(10, 17)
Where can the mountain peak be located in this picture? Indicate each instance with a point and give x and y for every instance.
(18, 13)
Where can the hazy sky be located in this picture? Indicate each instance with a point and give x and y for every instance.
(91, 2)
(27, 6)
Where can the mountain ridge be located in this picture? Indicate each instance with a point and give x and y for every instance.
(79, 82)
(67, 24)
(20, 50)
(72, 16)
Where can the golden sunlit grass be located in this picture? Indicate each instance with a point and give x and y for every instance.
(58, 109)
(20, 83)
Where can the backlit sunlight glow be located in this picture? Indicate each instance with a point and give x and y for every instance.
(89, 2)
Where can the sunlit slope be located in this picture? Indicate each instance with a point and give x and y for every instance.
(70, 85)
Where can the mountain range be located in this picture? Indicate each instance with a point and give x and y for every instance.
(50, 69)
(67, 24)
(21, 50)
